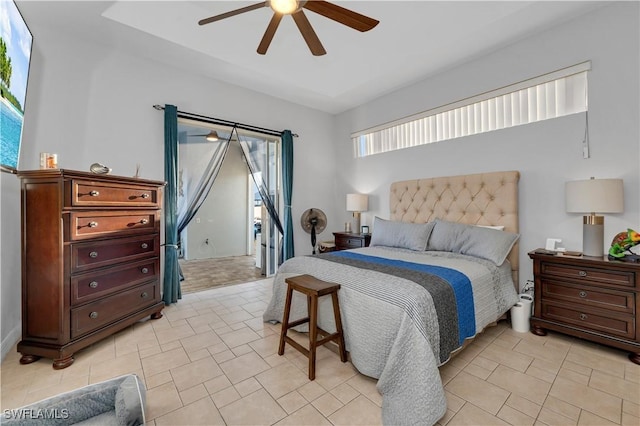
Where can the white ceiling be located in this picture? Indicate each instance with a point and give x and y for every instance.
(414, 39)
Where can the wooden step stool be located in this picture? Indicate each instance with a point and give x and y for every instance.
(313, 288)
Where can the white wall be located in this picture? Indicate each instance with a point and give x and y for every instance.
(89, 103)
(221, 226)
(547, 153)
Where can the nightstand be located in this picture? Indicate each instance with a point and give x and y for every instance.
(347, 240)
(588, 297)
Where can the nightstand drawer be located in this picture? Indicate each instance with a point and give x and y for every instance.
(614, 300)
(349, 242)
(589, 274)
(592, 319)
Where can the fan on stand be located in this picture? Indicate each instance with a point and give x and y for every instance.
(313, 221)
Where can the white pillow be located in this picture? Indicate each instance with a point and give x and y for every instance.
(496, 227)
(412, 236)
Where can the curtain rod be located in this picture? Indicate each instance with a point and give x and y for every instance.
(219, 121)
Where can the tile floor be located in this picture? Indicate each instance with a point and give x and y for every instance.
(211, 360)
(204, 274)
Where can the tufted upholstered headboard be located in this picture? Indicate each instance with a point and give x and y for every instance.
(477, 199)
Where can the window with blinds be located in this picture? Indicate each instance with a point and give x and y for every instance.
(556, 94)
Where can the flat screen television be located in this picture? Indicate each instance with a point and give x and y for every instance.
(15, 56)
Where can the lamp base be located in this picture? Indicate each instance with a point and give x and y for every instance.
(356, 216)
(593, 236)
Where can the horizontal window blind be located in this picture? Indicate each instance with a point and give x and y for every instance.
(556, 94)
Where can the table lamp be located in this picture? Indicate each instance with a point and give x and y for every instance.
(594, 196)
(357, 203)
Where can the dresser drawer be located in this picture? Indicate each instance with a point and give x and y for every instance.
(348, 243)
(108, 194)
(602, 321)
(94, 224)
(615, 300)
(92, 285)
(94, 254)
(589, 274)
(94, 315)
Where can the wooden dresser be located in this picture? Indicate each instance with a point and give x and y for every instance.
(348, 240)
(591, 298)
(90, 259)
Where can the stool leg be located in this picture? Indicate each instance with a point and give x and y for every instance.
(313, 335)
(285, 320)
(336, 314)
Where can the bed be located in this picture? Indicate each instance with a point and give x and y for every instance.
(434, 276)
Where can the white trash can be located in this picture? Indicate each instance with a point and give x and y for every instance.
(521, 312)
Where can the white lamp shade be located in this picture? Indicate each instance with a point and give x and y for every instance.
(594, 196)
(357, 202)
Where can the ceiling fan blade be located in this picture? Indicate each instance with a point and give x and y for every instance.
(233, 13)
(308, 33)
(340, 14)
(269, 33)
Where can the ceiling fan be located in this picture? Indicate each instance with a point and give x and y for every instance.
(212, 136)
(294, 8)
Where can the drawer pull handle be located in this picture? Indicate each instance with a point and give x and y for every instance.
(144, 295)
(144, 245)
(93, 315)
(92, 224)
(582, 273)
(93, 284)
(583, 317)
(93, 254)
(144, 221)
(582, 294)
(94, 193)
(145, 196)
(145, 270)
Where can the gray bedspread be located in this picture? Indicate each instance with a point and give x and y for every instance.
(391, 323)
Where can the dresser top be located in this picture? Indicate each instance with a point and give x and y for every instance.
(76, 174)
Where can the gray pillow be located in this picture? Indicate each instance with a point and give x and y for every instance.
(412, 236)
(485, 243)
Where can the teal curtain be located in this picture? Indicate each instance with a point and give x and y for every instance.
(171, 288)
(287, 184)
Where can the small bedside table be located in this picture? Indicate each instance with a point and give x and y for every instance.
(347, 240)
(588, 297)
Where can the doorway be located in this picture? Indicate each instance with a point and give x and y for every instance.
(231, 238)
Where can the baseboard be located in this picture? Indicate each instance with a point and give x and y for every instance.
(10, 341)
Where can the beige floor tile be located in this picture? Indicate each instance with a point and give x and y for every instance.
(629, 420)
(248, 386)
(360, 411)
(306, 416)
(189, 375)
(282, 379)
(619, 387)
(200, 341)
(243, 367)
(521, 384)
(515, 360)
(241, 350)
(161, 400)
(552, 418)
(367, 387)
(596, 361)
(117, 367)
(470, 415)
(193, 394)
(514, 417)
(239, 337)
(558, 406)
(158, 379)
(630, 407)
(327, 404)
(258, 408)
(164, 361)
(200, 412)
(266, 346)
(592, 400)
(345, 393)
(589, 419)
(483, 394)
(292, 402)
(225, 397)
(169, 335)
(217, 384)
(523, 405)
(311, 391)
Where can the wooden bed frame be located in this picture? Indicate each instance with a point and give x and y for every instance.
(475, 199)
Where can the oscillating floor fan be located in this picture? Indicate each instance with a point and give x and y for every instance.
(313, 221)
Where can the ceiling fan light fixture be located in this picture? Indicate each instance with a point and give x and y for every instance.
(284, 7)
(212, 136)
